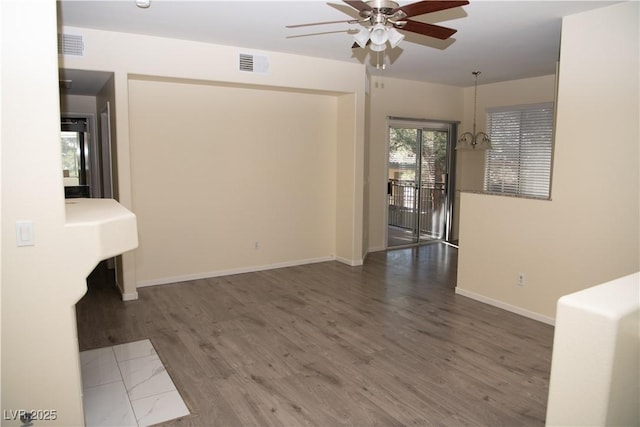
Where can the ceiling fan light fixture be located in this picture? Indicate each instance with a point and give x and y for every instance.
(377, 47)
(400, 15)
(362, 37)
(395, 37)
(379, 34)
(382, 18)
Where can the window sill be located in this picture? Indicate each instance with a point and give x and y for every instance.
(517, 196)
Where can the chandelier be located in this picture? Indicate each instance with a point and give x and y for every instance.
(474, 140)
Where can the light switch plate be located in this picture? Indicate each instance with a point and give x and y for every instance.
(24, 233)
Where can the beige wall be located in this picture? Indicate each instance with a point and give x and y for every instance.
(588, 233)
(350, 221)
(78, 104)
(130, 55)
(106, 96)
(218, 169)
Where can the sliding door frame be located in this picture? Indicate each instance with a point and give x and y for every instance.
(450, 176)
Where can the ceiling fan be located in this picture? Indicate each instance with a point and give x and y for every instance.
(384, 16)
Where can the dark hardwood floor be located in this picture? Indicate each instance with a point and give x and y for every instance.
(388, 343)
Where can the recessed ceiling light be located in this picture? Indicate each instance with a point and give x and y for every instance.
(143, 3)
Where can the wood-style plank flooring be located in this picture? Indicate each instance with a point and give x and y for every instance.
(385, 344)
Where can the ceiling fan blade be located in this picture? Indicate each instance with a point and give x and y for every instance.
(348, 21)
(358, 5)
(422, 7)
(430, 30)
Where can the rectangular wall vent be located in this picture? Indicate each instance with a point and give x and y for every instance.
(69, 44)
(254, 63)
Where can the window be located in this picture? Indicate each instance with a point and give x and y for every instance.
(520, 161)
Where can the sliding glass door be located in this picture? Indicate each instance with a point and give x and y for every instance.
(417, 187)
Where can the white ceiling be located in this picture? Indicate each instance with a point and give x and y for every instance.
(505, 40)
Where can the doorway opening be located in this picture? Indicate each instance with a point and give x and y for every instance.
(420, 174)
(76, 143)
(86, 100)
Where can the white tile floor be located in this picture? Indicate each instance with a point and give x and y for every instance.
(127, 385)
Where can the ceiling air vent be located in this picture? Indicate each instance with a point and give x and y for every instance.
(254, 63)
(69, 44)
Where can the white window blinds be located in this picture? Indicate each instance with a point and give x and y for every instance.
(520, 161)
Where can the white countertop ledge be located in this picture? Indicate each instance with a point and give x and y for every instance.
(107, 227)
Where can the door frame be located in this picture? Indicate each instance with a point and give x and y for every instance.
(94, 156)
(106, 166)
(450, 180)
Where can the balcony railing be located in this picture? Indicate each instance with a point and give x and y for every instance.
(406, 198)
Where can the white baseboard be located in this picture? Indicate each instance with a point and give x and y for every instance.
(503, 305)
(126, 296)
(351, 262)
(130, 297)
(219, 273)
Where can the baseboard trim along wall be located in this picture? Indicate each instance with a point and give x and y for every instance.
(126, 296)
(130, 297)
(350, 262)
(377, 249)
(505, 306)
(252, 269)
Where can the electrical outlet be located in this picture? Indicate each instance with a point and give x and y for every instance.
(520, 279)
